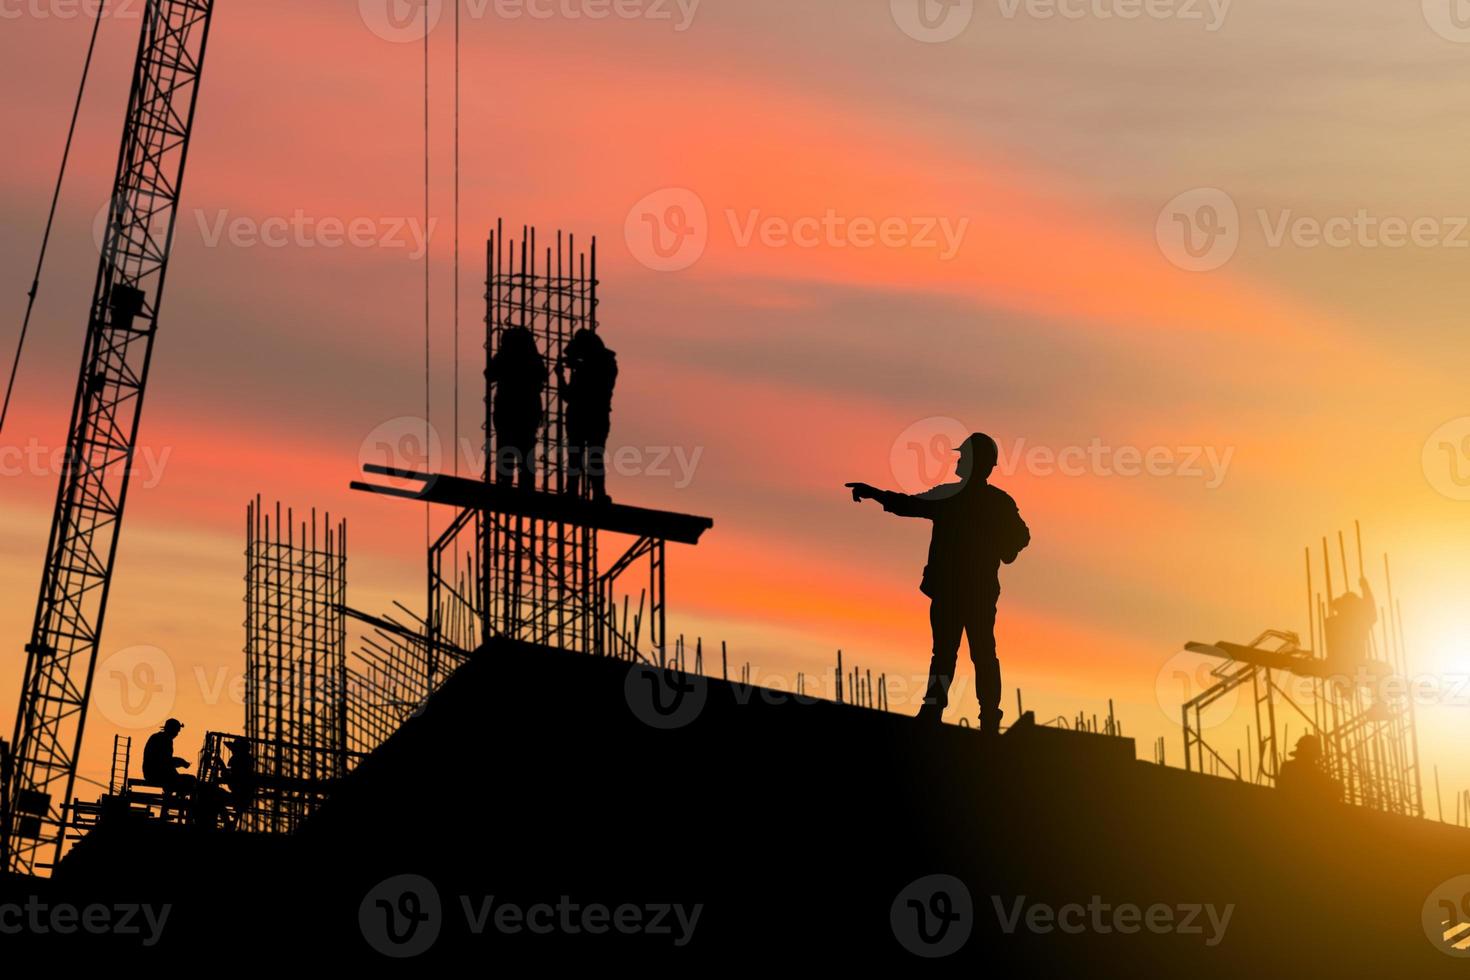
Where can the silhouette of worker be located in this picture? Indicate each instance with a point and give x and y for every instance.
(160, 765)
(240, 777)
(1304, 776)
(588, 396)
(518, 374)
(1349, 628)
(976, 527)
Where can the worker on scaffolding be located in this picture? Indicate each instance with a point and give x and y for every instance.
(977, 526)
(239, 775)
(517, 372)
(160, 765)
(588, 396)
(213, 804)
(1348, 634)
(1304, 776)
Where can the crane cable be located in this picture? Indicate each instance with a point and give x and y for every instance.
(51, 217)
(428, 255)
(456, 237)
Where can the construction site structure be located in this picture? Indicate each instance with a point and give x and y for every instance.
(526, 563)
(103, 433)
(296, 684)
(1361, 709)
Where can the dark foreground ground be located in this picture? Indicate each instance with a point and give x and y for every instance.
(556, 809)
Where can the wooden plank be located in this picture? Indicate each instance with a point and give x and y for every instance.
(476, 494)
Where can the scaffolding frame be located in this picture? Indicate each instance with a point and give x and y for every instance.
(296, 691)
(1366, 723)
(497, 573)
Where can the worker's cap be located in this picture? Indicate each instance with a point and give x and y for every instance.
(1308, 745)
(982, 448)
(173, 723)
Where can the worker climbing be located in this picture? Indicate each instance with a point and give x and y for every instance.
(1348, 633)
(977, 526)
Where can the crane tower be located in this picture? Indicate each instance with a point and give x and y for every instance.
(102, 437)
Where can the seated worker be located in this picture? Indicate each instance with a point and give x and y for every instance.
(160, 765)
(1304, 777)
(240, 778)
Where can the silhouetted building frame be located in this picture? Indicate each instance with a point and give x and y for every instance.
(295, 659)
(1369, 746)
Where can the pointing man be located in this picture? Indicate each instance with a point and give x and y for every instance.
(976, 528)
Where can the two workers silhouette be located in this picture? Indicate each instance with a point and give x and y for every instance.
(518, 374)
(977, 527)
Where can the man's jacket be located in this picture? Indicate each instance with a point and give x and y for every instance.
(976, 528)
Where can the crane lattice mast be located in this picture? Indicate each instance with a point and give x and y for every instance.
(80, 554)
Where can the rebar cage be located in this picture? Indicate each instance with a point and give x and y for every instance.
(295, 659)
(533, 579)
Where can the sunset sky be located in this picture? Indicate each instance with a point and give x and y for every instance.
(902, 238)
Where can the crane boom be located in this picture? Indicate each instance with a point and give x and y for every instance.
(75, 581)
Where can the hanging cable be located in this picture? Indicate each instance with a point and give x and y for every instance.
(456, 237)
(428, 406)
(25, 325)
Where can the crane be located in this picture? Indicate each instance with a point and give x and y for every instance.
(90, 499)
